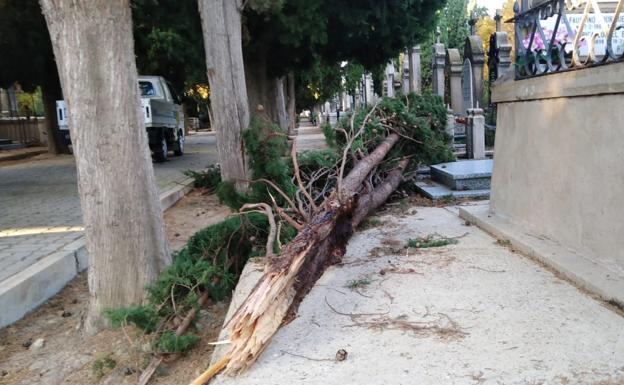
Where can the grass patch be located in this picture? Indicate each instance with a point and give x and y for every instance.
(448, 199)
(369, 223)
(357, 283)
(102, 365)
(503, 242)
(430, 241)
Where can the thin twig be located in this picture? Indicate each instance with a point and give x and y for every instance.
(279, 190)
(308, 358)
(298, 176)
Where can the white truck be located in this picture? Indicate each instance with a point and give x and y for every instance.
(162, 112)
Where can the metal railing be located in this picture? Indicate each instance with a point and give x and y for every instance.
(560, 35)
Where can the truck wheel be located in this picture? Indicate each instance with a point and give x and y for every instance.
(161, 152)
(179, 146)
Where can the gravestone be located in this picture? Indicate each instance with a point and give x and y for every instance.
(454, 75)
(473, 50)
(475, 134)
(406, 72)
(437, 66)
(390, 80)
(414, 68)
(467, 86)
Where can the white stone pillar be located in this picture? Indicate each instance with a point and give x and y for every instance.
(369, 90)
(406, 72)
(390, 80)
(414, 70)
(450, 125)
(454, 71)
(475, 134)
(439, 57)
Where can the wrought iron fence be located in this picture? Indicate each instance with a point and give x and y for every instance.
(560, 35)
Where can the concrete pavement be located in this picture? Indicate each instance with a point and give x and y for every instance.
(40, 211)
(470, 313)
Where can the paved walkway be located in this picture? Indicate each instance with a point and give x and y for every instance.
(40, 208)
(470, 313)
(309, 137)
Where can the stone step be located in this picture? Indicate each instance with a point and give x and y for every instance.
(5, 141)
(11, 146)
(464, 175)
(436, 191)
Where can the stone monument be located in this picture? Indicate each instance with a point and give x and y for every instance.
(475, 134)
(437, 64)
(405, 86)
(454, 76)
(390, 80)
(414, 70)
(467, 87)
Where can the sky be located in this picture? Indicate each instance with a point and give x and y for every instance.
(491, 5)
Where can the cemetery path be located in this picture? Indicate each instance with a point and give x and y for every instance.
(40, 208)
(309, 137)
(473, 312)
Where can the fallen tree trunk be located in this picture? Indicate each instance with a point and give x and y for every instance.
(289, 276)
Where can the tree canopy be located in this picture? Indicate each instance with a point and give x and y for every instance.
(168, 41)
(167, 37)
(313, 38)
(25, 44)
(369, 32)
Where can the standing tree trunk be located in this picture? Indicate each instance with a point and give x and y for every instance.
(221, 25)
(94, 50)
(292, 118)
(52, 92)
(280, 103)
(265, 90)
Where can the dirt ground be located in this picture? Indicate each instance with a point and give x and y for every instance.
(113, 357)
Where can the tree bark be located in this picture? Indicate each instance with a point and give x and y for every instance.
(221, 25)
(265, 91)
(52, 92)
(280, 103)
(292, 117)
(94, 50)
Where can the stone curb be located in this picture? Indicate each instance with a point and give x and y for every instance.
(26, 290)
(21, 155)
(572, 264)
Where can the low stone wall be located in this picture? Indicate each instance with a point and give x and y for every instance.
(559, 152)
(22, 130)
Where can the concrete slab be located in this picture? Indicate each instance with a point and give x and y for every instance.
(470, 313)
(580, 267)
(434, 190)
(464, 174)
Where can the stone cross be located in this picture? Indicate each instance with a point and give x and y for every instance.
(498, 18)
(472, 22)
(414, 70)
